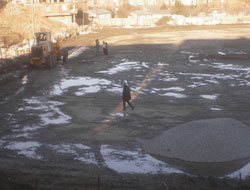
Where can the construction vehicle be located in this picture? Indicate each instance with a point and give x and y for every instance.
(45, 52)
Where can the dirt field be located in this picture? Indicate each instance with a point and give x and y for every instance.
(65, 129)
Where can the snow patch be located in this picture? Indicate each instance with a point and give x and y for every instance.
(27, 149)
(244, 171)
(87, 158)
(76, 51)
(91, 85)
(210, 97)
(126, 66)
(172, 94)
(124, 161)
(221, 53)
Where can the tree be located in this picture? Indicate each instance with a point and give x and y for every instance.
(124, 10)
(2, 3)
(234, 7)
(180, 9)
(163, 7)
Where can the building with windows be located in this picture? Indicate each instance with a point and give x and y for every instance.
(60, 10)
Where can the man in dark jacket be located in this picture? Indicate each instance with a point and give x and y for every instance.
(126, 96)
(97, 47)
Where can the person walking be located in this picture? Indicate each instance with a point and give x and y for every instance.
(126, 96)
(97, 45)
(104, 47)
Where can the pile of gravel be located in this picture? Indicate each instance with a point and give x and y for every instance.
(211, 140)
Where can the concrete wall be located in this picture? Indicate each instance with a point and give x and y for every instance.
(64, 19)
(176, 20)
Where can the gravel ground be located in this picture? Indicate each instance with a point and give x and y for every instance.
(211, 140)
(62, 128)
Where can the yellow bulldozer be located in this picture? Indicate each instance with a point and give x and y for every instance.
(45, 52)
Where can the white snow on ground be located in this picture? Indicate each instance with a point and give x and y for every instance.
(51, 114)
(215, 109)
(145, 65)
(27, 149)
(126, 66)
(76, 51)
(120, 114)
(63, 148)
(244, 171)
(80, 81)
(221, 53)
(23, 131)
(187, 52)
(209, 97)
(196, 84)
(57, 117)
(87, 158)
(176, 89)
(162, 64)
(27, 129)
(124, 161)
(194, 61)
(26, 135)
(81, 146)
(79, 151)
(169, 79)
(193, 78)
(68, 148)
(88, 90)
(212, 81)
(210, 76)
(172, 94)
(140, 76)
(238, 52)
(116, 88)
(1, 142)
(88, 85)
(233, 67)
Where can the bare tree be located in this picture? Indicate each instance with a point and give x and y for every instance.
(234, 7)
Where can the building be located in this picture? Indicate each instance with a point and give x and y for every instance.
(99, 13)
(147, 14)
(59, 10)
(189, 2)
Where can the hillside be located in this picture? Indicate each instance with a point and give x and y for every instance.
(16, 23)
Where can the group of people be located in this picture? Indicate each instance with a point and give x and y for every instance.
(104, 47)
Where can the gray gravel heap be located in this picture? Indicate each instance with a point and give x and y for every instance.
(211, 140)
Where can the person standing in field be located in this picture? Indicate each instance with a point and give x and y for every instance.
(104, 47)
(97, 45)
(126, 96)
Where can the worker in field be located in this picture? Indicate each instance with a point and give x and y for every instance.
(126, 96)
(104, 47)
(97, 45)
